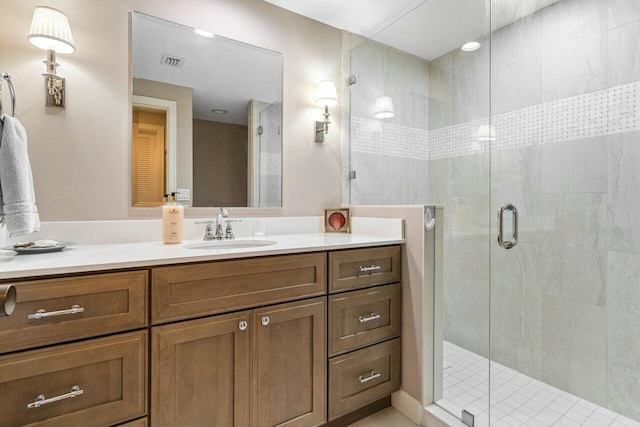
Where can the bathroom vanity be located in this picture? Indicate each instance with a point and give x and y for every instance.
(259, 338)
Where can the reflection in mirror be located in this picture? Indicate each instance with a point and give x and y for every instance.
(206, 118)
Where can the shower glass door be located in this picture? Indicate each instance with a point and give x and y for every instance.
(565, 149)
(434, 149)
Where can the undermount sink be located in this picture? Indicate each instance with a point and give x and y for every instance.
(230, 244)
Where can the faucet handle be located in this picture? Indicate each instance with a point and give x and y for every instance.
(228, 234)
(208, 231)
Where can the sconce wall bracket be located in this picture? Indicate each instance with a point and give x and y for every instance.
(322, 128)
(53, 84)
(54, 90)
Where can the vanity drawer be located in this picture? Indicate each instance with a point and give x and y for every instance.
(109, 372)
(181, 292)
(361, 318)
(111, 302)
(360, 268)
(364, 376)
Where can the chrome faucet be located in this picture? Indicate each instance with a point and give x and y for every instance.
(219, 234)
(222, 214)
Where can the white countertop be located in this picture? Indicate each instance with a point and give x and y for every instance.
(87, 258)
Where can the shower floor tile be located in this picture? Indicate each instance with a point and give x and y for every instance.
(516, 399)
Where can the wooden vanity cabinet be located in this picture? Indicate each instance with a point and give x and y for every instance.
(69, 357)
(226, 343)
(264, 365)
(364, 327)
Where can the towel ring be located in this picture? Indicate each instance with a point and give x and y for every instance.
(12, 92)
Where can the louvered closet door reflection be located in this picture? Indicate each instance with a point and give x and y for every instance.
(148, 165)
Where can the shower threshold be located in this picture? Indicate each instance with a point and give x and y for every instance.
(516, 399)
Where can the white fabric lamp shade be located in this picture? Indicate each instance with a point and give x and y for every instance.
(50, 29)
(327, 94)
(383, 108)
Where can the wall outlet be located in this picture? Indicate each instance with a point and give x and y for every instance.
(183, 194)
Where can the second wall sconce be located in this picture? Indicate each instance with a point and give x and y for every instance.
(50, 30)
(326, 96)
(383, 108)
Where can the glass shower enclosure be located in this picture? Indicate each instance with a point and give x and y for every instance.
(534, 135)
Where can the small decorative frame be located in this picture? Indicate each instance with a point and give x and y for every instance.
(337, 220)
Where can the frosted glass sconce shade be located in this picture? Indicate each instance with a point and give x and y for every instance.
(327, 94)
(383, 108)
(50, 29)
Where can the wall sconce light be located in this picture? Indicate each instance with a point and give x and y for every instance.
(383, 108)
(326, 96)
(50, 30)
(486, 133)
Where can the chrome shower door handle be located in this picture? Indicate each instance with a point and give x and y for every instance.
(514, 234)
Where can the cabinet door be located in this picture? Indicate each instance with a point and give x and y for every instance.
(200, 372)
(289, 364)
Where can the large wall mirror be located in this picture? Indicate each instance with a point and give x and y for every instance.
(207, 118)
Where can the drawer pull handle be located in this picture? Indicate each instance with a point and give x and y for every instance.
(265, 320)
(369, 318)
(368, 377)
(41, 400)
(242, 325)
(372, 267)
(42, 313)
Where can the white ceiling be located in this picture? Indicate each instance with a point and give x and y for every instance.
(223, 73)
(425, 28)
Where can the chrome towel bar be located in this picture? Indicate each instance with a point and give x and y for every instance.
(12, 92)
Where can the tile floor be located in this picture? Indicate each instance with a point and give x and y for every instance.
(388, 417)
(516, 399)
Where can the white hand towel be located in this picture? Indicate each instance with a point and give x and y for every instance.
(17, 197)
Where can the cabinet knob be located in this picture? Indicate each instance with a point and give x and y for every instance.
(265, 320)
(242, 325)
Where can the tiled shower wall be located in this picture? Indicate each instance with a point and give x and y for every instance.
(565, 303)
(271, 156)
(390, 156)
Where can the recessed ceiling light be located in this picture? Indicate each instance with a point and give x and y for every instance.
(470, 46)
(219, 111)
(203, 33)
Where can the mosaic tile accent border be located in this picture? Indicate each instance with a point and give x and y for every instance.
(605, 112)
(389, 139)
(270, 164)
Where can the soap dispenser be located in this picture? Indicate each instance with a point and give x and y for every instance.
(172, 220)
